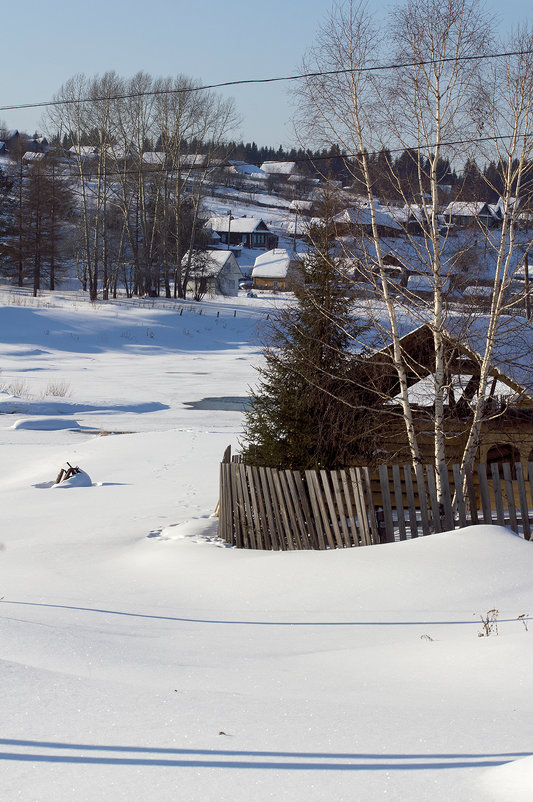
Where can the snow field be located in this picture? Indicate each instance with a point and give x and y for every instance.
(143, 659)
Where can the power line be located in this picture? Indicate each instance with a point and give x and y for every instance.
(279, 79)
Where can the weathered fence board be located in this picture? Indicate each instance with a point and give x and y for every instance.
(398, 497)
(500, 517)
(472, 500)
(324, 475)
(484, 490)
(387, 521)
(509, 491)
(353, 537)
(524, 509)
(422, 499)
(410, 500)
(363, 528)
(342, 510)
(310, 477)
(264, 508)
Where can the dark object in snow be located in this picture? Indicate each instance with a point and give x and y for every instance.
(66, 473)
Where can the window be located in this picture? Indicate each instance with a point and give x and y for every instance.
(503, 452)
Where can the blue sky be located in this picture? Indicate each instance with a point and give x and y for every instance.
(208, 41)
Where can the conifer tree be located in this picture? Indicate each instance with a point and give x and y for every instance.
(308, 411)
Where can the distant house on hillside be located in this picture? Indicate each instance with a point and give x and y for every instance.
(216, 273)
(279, 169)
(31, 157)
(418, 217)
(302, 207)
(83, 151)
(358, 220)
(156, 157)
(247, 232)
(274, 270)
(38, 144)
(10, 144)
(467, 213)
(243, 168)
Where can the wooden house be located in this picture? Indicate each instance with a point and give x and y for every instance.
(38, 144)
(246, 232)
(507, 432)
(12, 141)
(216, 273)
(358, 221)
(33, 157)
(83, 152)
(274, 270)
(281, 170)
(469, 213)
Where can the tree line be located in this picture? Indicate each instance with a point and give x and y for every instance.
(133, 221)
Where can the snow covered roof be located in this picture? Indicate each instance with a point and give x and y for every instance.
(468, 208)
(296, 178)
(279, 168)
(296, 227)
(247, 169)
(477, 291)
(193, 159)
(512, 357)
(153, 157)
(272, 264)
(363, 217)
(300, 205)
(238, 225)
(83, 150)
(220, 257)
(212, 262)
(424, 283)
(29, 156)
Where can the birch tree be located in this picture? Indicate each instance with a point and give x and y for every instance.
(87, 105)
(430, 106)
(193, 127)
(337, 104)
(505, 111)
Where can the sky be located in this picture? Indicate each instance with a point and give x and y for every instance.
(210, 42)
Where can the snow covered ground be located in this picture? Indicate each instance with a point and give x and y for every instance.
(142, 659)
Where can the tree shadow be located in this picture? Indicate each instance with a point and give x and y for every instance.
(244, 759)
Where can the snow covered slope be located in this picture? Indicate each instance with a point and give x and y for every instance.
(142, 659)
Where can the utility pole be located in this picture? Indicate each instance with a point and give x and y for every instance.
(229, 226)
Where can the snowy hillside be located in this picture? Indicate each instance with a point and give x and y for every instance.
(142, 659)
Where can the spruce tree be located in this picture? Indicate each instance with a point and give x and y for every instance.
(308, 411)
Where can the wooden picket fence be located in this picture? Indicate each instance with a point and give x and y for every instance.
(264, 508)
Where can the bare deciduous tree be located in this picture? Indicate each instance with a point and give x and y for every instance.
(430, 107)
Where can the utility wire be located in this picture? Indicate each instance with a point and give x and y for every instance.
(248, 81)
